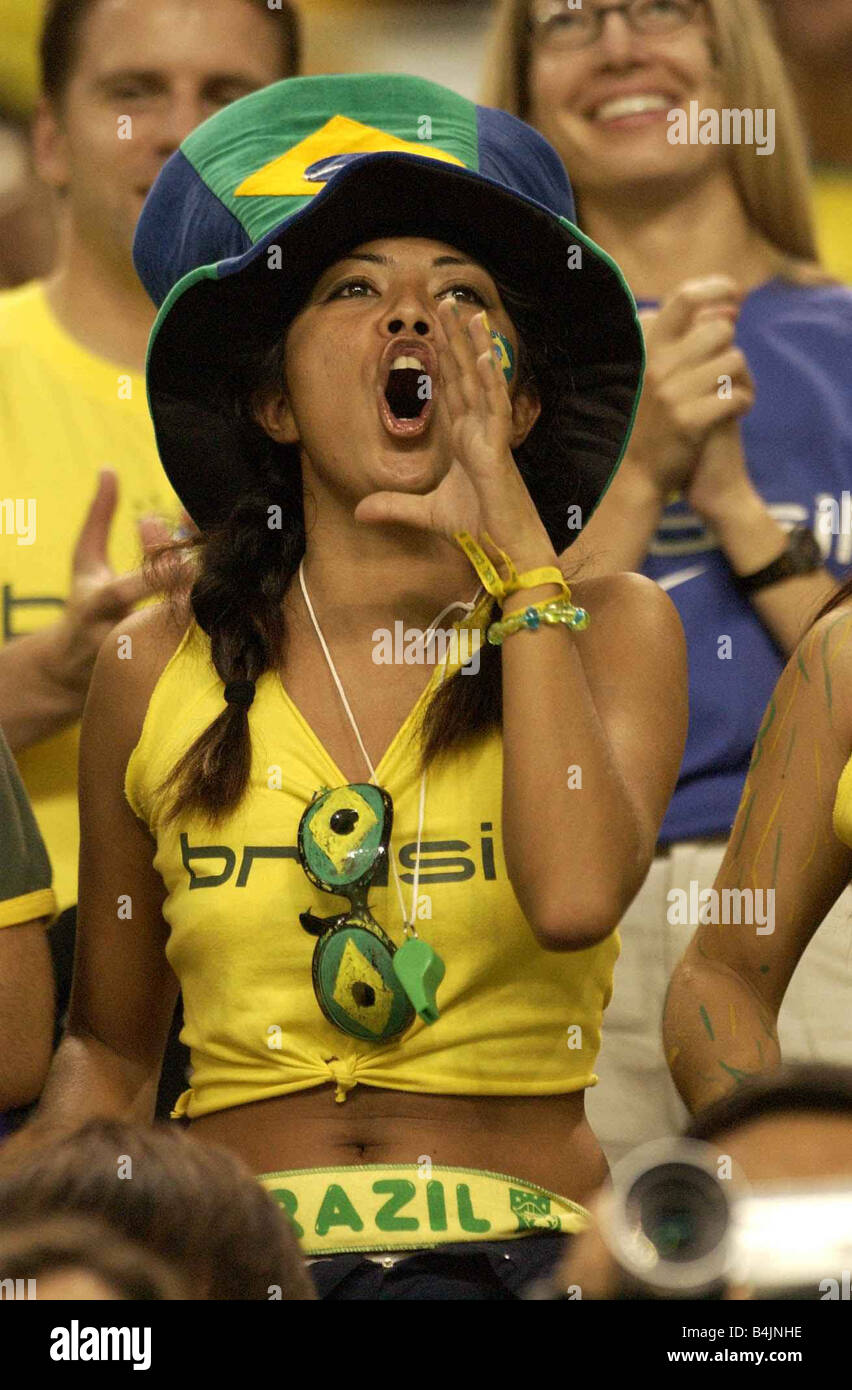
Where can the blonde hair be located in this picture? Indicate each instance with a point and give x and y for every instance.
(775, 193)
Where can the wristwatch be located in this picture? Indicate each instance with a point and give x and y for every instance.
(802, 556)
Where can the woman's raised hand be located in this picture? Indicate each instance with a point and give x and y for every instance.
(696, 380)
(482, 490)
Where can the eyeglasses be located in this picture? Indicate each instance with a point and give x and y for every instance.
(565, 26)
(343, 840)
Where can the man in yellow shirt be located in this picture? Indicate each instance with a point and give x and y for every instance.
(82, 491)
(817, 43)
(124, 82)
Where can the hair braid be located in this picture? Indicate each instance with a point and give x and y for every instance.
(237, 600)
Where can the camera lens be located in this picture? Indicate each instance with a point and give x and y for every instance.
(668, 1220)
(681, 1210)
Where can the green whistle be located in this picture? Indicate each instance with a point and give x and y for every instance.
(420, 970)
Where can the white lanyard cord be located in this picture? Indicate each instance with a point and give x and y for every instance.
(407, 925)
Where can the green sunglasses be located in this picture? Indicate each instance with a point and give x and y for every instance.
(364, 985)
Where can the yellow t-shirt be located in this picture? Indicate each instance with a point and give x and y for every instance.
(515, 1019)
(20, 30)
(833, 212)
(64, 414)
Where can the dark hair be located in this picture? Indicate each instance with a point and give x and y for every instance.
(816, 1087)
(246, 567)
(59, 48)
(59, 1243)
(194, 1205)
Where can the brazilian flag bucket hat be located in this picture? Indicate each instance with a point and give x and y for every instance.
(265, 195)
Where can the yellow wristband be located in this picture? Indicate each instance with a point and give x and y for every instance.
(494, 584)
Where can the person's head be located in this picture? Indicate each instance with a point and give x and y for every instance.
(815, 35)
(312, 414)
(303, 249)
(605, 104)
(125, 81)
(194, 1206)
(793, 1124)
(72, 1258)
(334, 387)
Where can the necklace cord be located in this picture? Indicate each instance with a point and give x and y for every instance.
(408, 926)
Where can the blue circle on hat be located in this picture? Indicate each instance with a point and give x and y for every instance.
(325, 169)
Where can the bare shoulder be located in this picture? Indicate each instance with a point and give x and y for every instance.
(129, 665)
(631, 610)
(153, 636)
(821, 668)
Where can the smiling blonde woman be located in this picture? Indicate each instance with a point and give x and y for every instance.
(740, 452)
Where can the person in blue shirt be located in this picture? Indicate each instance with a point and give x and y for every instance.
(689, 165)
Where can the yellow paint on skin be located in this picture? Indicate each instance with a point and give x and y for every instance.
(763, 841)
(819, 789)
(787, 710)
(834, 655)
(813, 849)
(675, 1052)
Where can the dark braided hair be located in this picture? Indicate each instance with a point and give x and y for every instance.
(246, 566)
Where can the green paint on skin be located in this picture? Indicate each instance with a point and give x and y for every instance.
(739, 1076)
(801, 666)
(705, 1018)
(764, 730)
(745, 825)
(789, 752)
(775, 860)
(826, 672)
(764, 970)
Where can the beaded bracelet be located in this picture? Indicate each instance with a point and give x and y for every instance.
(551, 611)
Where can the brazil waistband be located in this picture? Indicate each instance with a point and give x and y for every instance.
(402, 1206)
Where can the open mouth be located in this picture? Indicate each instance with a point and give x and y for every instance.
(624, 108)
(630, 109)
(405, 403)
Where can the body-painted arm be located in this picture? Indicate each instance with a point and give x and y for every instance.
(722, 1008)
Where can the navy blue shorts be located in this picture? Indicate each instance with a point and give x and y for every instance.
(483, 1270)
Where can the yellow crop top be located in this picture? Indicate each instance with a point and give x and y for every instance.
(842, 818)
(515, 1019)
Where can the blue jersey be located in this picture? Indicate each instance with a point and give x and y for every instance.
(798, 447)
